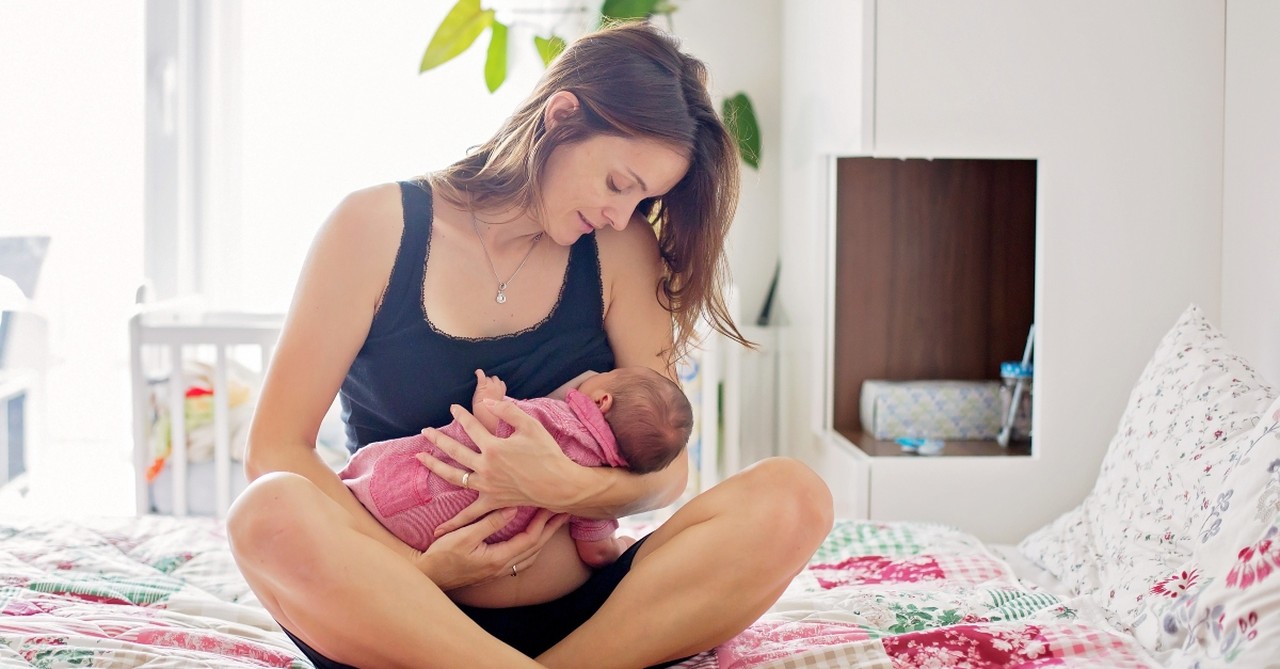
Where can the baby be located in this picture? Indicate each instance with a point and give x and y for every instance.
(630, 417)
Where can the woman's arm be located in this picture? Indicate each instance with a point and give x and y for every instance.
(337, 294)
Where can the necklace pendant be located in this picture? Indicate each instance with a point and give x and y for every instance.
(501, 298)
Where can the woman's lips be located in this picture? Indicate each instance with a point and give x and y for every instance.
(587, 228)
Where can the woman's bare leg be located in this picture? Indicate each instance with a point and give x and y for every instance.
(719, 563)
(343, 593)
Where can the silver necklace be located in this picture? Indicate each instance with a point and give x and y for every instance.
(501, 297)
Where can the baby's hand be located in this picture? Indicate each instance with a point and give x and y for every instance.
(488, 388)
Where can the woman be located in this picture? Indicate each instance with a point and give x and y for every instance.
(534, 259)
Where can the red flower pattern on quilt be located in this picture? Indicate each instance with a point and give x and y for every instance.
(871, 569)
(971, 647)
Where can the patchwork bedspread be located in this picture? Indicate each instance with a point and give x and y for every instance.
(899, 595)
(155, 591)
(164, 592)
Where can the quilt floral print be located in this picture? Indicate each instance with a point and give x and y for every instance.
(163, 592)
(899, 595)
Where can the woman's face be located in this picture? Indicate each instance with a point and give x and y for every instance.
(600, 181)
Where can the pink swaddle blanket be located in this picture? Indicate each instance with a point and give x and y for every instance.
(411, 500)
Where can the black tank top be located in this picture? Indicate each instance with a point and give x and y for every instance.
(408, 373)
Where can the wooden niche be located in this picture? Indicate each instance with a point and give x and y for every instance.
(935, 277)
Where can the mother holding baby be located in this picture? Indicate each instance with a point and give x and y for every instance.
(588, 233)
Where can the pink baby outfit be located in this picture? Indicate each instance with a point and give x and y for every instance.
(411, 500)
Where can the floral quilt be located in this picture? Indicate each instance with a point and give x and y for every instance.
(154, 591)
(163, 592)
(899, 595)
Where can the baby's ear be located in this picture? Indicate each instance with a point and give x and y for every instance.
(605, 402)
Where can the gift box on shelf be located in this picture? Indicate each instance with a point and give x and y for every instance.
(968, 410)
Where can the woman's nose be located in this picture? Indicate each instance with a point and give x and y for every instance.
(619, 217)
(614, 218)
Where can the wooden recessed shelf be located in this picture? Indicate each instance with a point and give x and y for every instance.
(934, 278)
(882, 448)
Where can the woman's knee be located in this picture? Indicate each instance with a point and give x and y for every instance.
(271, 515)
(793, 497)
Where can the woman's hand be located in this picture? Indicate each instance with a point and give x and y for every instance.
(461, 558)
(525, 469)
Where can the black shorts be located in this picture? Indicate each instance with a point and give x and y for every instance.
(532, 629)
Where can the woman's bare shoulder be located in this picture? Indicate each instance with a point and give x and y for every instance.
(630, 250)
(361, 236)
(374, 210)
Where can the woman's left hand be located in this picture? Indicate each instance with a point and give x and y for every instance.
(525, 469)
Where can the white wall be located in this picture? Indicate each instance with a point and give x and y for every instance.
(1251, 194)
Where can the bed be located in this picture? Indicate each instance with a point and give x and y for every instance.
(1172, 560)
(163, 591)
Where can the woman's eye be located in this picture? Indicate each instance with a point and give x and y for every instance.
(612, 186)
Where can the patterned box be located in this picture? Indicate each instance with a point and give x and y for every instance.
(931, 409)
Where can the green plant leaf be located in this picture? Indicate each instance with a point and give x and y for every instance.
(623, 10)
(460, 28)
(495, 63)
(548, 47)
(740, 119)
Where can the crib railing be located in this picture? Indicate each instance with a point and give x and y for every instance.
(162, 336)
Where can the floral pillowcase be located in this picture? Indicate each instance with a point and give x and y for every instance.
(1161, 492)
(1226, 609)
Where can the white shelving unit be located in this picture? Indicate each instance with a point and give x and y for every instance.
(1121, 104)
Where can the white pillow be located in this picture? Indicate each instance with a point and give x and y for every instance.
(1161, 477)
(1230, 611)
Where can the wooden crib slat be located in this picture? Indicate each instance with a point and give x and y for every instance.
(709, 473)
(178, 429)
(221, 434)
(141, 417)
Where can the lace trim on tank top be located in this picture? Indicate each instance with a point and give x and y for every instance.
(555, 308)
(392, 275)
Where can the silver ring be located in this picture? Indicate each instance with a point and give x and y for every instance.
(466, 480)
(513, 571)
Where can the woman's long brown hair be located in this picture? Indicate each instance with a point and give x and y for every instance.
(631, 80)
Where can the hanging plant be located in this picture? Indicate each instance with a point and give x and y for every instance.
(467, 20)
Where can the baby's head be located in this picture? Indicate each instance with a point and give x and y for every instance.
(648, 413)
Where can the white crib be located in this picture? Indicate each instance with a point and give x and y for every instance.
(161, 338)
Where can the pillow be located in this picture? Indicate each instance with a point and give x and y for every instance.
(1161, 477)
(1229, 612)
